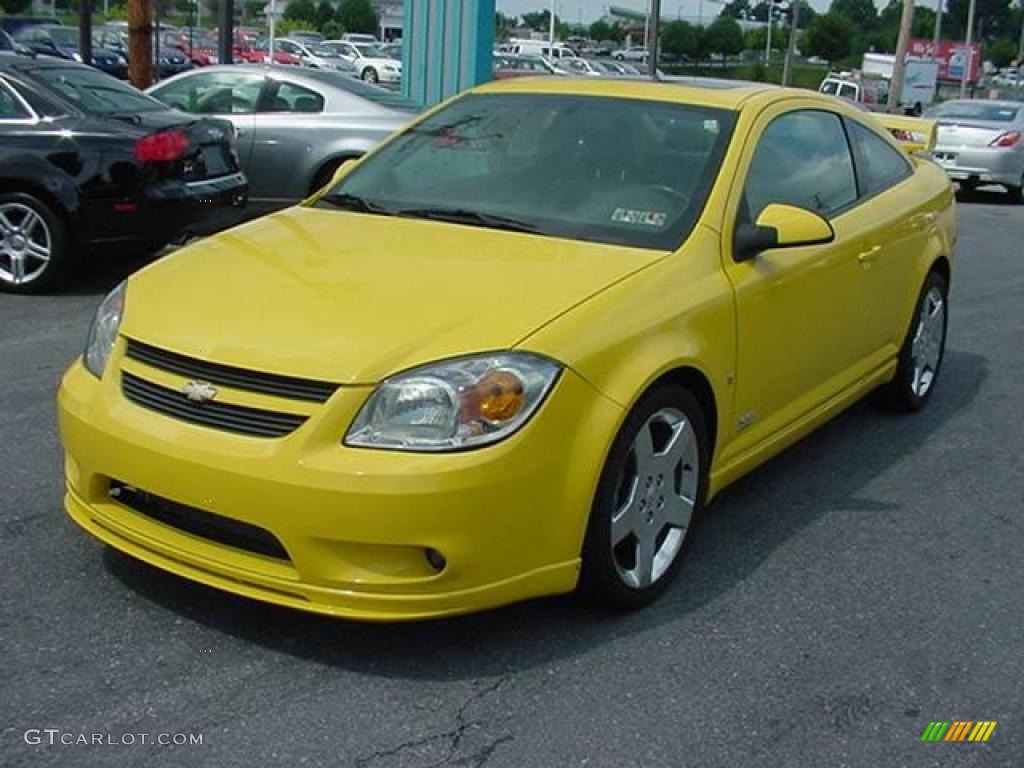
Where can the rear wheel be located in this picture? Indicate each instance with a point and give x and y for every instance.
(1017, 192)
(370, 75)
(650, 491)
(923, 349)
(34, 244)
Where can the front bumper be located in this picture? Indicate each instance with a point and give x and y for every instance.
(981, 165)
(355, 523)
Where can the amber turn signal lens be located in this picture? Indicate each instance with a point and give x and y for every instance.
(501, 396)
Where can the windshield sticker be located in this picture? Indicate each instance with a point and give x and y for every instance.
(643, 218)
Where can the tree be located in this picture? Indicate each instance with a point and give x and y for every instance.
(15, 6)
(538, 21)
(737, 9)
(862, 13)
(1002, 52)
(357, 16)
(301, 10)
(679, 38)
(993, 19)
(600, 30)
(332, 30)
(755, 39)
(324, 13)
(503, 25)
(725, 37)
(830, 37)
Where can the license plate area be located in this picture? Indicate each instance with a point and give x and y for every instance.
(216, 159)
(945, 159)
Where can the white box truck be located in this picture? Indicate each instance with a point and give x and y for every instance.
(871, 85)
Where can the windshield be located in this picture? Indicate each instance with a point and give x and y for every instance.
(831, 87)
(66, 37)
(94, 92)
(975, 110)
(326, 53)
(368, 51)
(621, 171)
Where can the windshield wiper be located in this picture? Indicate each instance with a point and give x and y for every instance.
(350, 202)
(466, 216)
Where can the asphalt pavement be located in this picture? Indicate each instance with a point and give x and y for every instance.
(864, 583)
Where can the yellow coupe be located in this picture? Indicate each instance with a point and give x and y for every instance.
(513, 350)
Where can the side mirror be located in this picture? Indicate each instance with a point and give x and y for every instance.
(781, 226)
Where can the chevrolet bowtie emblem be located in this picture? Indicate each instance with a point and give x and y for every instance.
(199, 391)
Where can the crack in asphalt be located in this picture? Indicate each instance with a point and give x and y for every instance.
(454, 737)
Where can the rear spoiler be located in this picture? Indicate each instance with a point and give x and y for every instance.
(915, 134)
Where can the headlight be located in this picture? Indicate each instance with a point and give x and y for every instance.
(103, 332)
(463, 403)
(121, 61)
(76, 56)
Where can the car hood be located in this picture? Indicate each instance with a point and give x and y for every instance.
(352, 298)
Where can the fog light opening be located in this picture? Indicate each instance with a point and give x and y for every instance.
(435, 558)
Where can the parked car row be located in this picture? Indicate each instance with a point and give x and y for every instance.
(199, 152)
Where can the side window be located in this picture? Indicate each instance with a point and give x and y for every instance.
(879, 165)
(10, 107)
(802, 159)
(40, 105)
(848, 91)
(213, 93)
(295, 98)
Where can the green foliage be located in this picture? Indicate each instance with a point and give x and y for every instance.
(324, 14)
(1002, 52)
(301, 10)
(755, 39)
(861, 13)
(736, 8)
(679, 38)
(993, 19)
(503, 25)
(538, 21)
(15, 6)
(618, 33)
(830, 37)
(358, 16)
(725, 37)
(332, 30)
(600, 30)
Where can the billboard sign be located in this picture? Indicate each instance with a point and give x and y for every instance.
(952, 58)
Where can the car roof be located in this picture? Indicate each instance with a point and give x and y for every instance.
(710, 92)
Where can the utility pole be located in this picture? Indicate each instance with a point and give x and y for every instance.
(551, 42)
(1020, 46)
(85, 32)
(794, 25)
(140, 44)
(227, 32)
(900, 65)
(937, 37)
(968, 57)
(768, 42)
(652, 41)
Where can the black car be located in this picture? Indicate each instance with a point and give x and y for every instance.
(169, 62)
(11, 24)
(88, 162)
(6, 44)
(62, 42)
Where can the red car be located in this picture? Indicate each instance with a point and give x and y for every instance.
(258, 54)
(200, 47)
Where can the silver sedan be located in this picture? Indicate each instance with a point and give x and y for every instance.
(294, 126)
(981, 142)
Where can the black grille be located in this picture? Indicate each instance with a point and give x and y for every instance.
(228, 376)
(223, 530)
(231, 418)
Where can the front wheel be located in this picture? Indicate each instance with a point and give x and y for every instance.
(1016, 192)
(650, 491)
(923, 348)
(370, 75)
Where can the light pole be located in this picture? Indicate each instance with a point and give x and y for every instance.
(937, 38)
(968, 58)
(551, 49)
(768, 42)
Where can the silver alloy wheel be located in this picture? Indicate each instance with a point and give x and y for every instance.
(655, 498)
(929, 338)
(25, 244)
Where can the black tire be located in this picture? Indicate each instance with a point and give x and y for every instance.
(600, 580)
(968, 188)
(1017, 193)
(901, 393)
(370, 75)
(61, 251)
(324, 174)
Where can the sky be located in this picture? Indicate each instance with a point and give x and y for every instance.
(574, 11)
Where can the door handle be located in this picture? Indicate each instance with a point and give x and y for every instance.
(869, 255)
